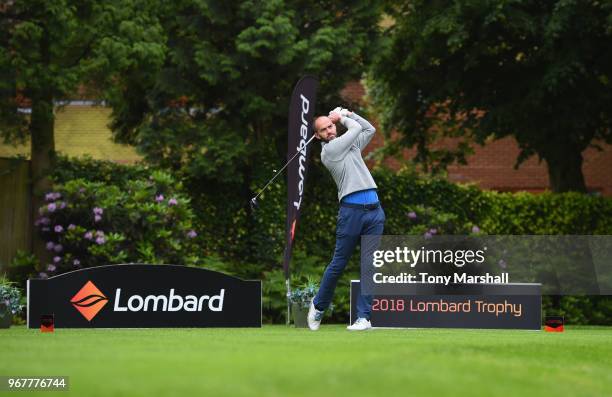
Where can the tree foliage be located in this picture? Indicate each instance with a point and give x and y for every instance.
(538, 71)
(217, 109)
(199, 86)
(50, 50)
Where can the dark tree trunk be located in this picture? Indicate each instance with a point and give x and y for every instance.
(43, 158)
(42, 123)
(565, 168)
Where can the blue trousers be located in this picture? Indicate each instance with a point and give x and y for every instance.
(352, 223)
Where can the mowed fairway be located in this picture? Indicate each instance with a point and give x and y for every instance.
(282, 361)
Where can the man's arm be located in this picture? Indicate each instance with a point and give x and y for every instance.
(367, 130)
(359, 132)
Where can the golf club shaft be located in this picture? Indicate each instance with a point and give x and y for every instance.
(281, 170)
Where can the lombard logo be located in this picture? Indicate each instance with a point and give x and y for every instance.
(90, 300)
(169, 303)
(302, 149)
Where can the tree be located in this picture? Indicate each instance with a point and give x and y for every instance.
(229, 74)
(51, 48)
(538, 71)
(217, 109)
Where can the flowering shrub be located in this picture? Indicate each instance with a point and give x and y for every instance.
(429, 221)
(95, 223)
(10, 295)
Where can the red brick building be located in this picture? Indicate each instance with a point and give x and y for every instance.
(492, 166)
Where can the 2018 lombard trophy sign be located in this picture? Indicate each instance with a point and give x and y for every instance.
(145, 296)
(484, 306)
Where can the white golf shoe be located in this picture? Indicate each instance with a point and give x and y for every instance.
(361, 324)
(314, 317)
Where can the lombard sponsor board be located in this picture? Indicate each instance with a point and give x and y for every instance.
(145, 296)
(486, 306)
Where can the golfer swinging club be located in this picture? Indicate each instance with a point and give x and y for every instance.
(360, 212)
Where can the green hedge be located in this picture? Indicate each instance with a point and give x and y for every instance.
(253, 243)
(250, 245)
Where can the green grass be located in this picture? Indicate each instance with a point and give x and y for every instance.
(281, 361)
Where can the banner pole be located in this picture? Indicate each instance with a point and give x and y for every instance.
(288, 285)
(301, 115)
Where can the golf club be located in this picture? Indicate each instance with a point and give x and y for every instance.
(254, 199)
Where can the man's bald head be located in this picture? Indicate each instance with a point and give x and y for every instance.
(325, 129)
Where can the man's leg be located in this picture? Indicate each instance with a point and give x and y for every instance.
(374, 226)
(347, 238)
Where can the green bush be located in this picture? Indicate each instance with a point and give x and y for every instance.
(10, 295)
(22, 267)
(594, 310)
(107, 172)
(258, 238)
(90, 223)
(250, 245)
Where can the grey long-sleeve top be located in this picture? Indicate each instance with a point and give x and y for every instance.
(342, 156)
